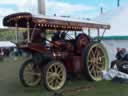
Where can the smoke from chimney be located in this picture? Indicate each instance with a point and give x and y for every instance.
(41, 7)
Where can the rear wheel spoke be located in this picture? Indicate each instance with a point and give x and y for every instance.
(96, 58)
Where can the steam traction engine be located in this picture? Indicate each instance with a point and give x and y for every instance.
(59, 47)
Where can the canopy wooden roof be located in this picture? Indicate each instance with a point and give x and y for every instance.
(50, 22)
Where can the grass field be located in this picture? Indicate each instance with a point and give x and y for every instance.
(11, 86)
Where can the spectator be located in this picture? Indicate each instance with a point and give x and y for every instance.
(121, 55)
(118, 55)
(35, 35)
(2, 52)
(124, 54)
(56, 36)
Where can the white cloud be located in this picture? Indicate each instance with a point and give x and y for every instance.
(62, 8)
(15, 2)
(27, 5)
(5, 11)
(23, 5)
(53, 6)
(8, 1)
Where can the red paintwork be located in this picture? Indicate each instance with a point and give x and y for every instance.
(74, 64)
(72, 59)
(37, 47)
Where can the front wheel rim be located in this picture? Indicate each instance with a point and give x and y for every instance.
(32, 76)
(56, 76)
(97, 61)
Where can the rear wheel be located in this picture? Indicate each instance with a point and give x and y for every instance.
(95, 61)
(54, 75)
(30, 74)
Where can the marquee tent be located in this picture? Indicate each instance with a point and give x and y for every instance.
(7, 44)
(117, 36)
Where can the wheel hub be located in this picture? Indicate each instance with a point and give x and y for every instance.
(54, 75)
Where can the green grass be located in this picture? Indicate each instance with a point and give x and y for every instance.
(11, 86)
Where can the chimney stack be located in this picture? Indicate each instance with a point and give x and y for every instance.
(118, 3)
(41, 7)
(101, 10)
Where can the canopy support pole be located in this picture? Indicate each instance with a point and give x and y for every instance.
(75, 34)
(89, 32)
(98, 30)
(28, 32)
(16, 32)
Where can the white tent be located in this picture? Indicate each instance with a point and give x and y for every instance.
(112, 45)
(7, 44)
(119, 27)
(118, 21)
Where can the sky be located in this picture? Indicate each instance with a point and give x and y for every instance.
(72, 8)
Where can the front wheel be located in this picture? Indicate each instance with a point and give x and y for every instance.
(30, 74)
(54, 75)
(95, 61)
